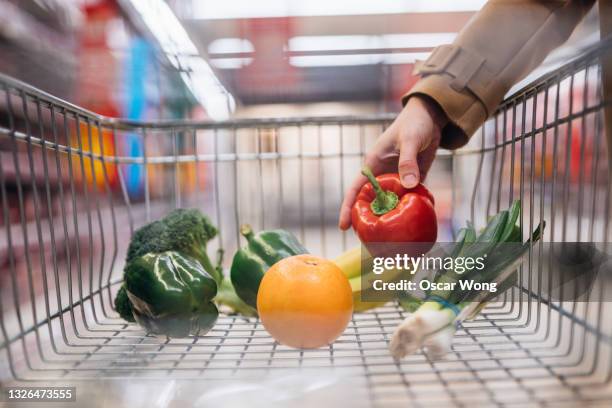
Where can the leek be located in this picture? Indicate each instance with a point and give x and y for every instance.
(433, 321)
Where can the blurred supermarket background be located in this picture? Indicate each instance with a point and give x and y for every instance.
(218, 60)
(150, 59)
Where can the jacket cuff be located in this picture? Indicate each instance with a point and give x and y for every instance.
(464, 110)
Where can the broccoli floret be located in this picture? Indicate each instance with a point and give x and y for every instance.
(146, 239)
(183, 230)
(123, 306)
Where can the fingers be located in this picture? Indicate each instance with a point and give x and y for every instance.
(349, 199)
(418, 139)
(408, 166)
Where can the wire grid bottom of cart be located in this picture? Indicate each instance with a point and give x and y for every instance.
(501, 358)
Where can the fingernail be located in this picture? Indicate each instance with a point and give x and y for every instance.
(410, 180)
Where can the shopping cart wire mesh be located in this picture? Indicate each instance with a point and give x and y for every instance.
(71, 197)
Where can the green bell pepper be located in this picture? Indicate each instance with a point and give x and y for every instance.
(171, 294)
(262, 251)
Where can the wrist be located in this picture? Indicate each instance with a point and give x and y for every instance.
(432, 107)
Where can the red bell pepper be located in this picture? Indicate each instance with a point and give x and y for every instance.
(387, 212)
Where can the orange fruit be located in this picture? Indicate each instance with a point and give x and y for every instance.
(305, 301)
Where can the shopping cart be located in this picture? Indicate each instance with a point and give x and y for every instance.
(70, 202)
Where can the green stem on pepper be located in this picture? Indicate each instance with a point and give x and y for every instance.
(247, 231)
(385, 201)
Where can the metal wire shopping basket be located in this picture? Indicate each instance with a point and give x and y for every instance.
(69, 204)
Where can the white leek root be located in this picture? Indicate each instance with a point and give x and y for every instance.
(439, 344)
(412, 332)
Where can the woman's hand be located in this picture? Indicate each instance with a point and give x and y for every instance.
(408, 147)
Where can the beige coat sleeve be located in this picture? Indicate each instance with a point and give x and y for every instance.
(500, 45)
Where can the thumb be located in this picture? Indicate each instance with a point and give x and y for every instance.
(408, 167)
